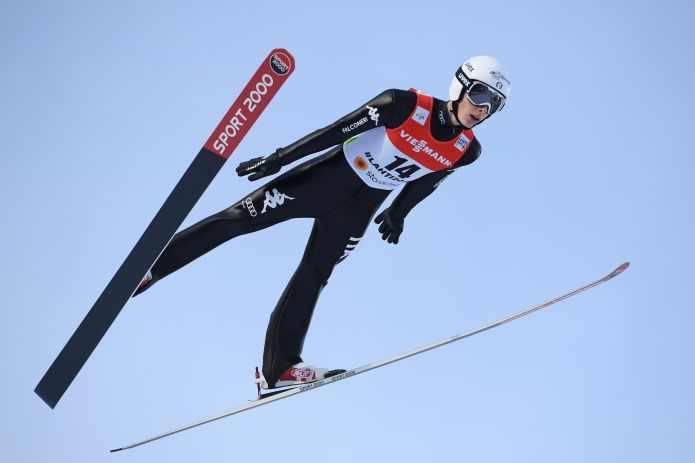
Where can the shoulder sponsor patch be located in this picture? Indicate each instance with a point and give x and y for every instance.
(462, 142)
(420, 115)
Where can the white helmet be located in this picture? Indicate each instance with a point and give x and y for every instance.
(483, 69)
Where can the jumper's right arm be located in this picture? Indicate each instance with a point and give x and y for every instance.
(376, 112)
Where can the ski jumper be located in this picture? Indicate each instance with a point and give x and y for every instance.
(399, 138)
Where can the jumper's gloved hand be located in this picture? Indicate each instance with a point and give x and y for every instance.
(260, 167)
(391, 226)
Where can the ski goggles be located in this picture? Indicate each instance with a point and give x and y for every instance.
(480, 94)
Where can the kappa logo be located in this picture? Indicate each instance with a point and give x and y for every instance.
(420, 115)
(374, 114)
(274, 199)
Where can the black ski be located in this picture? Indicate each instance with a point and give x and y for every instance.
(264, 84)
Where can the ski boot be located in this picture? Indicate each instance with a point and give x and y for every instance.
(296, 375)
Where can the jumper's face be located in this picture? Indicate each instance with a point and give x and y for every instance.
(470, 114)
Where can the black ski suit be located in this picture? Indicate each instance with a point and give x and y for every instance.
(328, 190)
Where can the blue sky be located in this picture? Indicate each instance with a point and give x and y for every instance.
(590, 164)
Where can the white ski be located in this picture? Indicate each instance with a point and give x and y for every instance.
(372, 366)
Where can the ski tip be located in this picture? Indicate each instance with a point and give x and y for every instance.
(116, 450)
(621, 268)
(281, 61)
(282, 50)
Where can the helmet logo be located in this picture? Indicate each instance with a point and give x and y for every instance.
(499, 85)
(462, 78)
(468, 65)
(499, 76)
